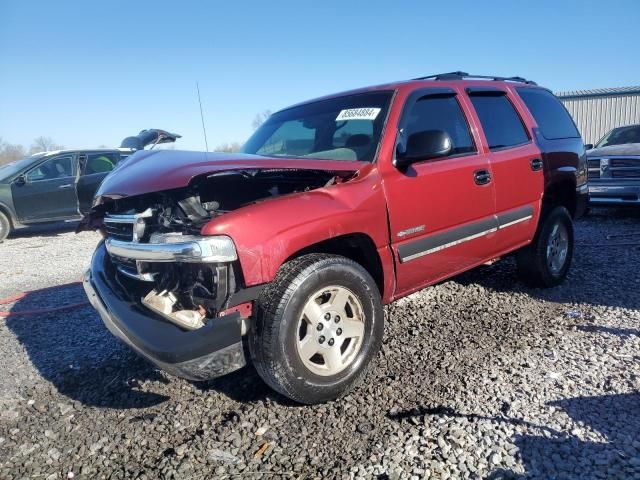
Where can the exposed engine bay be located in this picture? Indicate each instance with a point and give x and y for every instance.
(187, 209)
(188, 294)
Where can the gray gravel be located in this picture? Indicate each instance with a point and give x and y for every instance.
(479, 377)
(44, 256)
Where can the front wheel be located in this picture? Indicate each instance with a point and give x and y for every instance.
(5, 226)
(546, 261)
(317, 329)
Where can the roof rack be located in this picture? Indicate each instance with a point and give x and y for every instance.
(464, 75)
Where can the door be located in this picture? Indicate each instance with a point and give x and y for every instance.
(48, 190)
(441, 211)
(516, 163)
(94, 167)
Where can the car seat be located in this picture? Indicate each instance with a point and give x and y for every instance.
(358, 140)
(60, 170)
(101, 164)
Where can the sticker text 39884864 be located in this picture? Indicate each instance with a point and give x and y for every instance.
(365, 113)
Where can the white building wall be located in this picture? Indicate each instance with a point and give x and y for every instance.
(596, 115)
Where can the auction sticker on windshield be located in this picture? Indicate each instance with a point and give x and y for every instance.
(358, 114)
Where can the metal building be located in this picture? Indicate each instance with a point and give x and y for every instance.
(598, 111)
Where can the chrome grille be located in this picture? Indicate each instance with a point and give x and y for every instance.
(128, 227)
(625, 162)
(626, 173)
(614, 167)
(594, 168)
(119, 231)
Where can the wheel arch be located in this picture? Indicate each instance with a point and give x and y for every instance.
(561, 192)
(358, 247)
(9, 214)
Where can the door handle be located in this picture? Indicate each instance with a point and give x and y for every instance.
(64, 187)
(481, 177)
(536, 164)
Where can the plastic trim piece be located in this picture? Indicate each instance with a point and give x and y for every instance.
(440, 241)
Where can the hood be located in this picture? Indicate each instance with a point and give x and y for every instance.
(624, 149)
(149, 171)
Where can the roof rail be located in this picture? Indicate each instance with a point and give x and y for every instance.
(463, 75)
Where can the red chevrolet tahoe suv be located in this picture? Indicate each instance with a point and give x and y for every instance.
(286, 253)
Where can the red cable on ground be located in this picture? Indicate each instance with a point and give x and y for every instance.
(20, 296)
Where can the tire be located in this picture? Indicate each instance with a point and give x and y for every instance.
(538, 265)
(287, 326)
(5, 226)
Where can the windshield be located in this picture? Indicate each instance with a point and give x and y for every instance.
(620, 136)
(343, 128)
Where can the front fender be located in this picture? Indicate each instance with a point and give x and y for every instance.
(269, 232)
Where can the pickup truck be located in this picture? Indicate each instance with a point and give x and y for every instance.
(285, 254)
(614, 168)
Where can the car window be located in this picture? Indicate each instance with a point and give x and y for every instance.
(552, 118)
(621, 136)
(100, 162)
(337, 128)
(501, 124)
(441, 113)
(61, 166)
(355, 133)
(291, 137)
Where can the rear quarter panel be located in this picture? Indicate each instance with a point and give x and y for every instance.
(564, 159)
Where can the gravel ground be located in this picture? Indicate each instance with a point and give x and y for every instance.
(479, 377)
(60, 256)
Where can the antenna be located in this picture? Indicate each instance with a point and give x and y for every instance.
(204, 130)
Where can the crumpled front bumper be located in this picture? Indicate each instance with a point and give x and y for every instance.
(202, 354)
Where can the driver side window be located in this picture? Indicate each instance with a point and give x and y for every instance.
(445, 114)
(61, 166)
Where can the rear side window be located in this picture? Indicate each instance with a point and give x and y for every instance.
(552, 118)
(500, 121)
(441, 113)
(100, 162)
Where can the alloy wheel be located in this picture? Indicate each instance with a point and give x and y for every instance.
(557, 248)
(330, 330)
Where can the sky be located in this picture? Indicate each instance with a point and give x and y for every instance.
(91, 73)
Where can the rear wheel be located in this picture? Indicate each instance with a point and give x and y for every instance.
(318, 327)
(5, 226)
(546, 261)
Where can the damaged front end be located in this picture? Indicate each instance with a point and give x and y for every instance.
(192, 277)
(154, 263)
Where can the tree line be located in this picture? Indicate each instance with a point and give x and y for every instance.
(232, 147)
(10, 152)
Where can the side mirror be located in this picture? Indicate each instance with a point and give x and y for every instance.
(424, 146)
(20, 181)
(588, 146)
